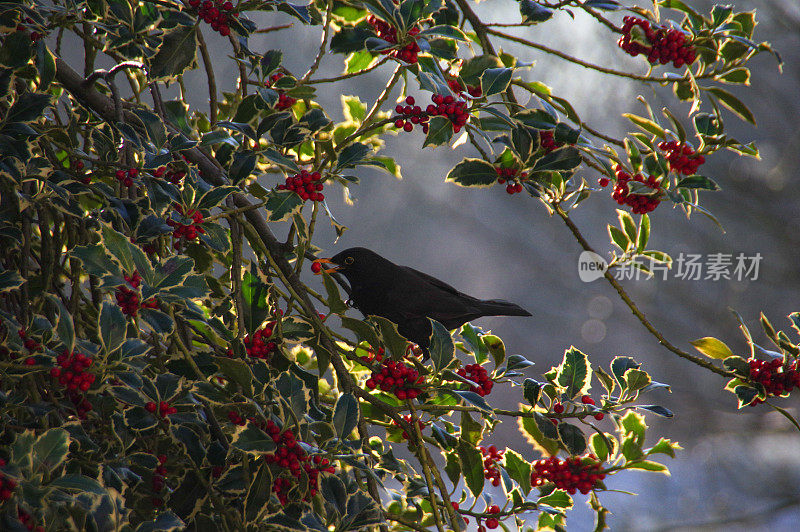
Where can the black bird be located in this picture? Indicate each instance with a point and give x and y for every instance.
(409, 297)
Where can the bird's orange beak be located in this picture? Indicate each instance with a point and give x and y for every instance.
(317, 268)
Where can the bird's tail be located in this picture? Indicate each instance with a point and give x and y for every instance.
(498, 307)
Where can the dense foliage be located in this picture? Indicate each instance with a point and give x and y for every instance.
(164, 367)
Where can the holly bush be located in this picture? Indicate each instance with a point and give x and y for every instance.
(164, 366)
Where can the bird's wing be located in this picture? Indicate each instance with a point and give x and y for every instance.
(423, 295)
(437, 282)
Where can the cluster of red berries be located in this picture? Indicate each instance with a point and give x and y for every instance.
(513, 177)
(446, 106)
(77, 166)
(491, 522)
(183, 231)
(7, 485)
(408, 419)
(129, 300)
(570, 474)
(388, 33)
(27, 521)
(477, 374)
(639, 203)
(162, 408)
(587, 400)
(72, 375)
(491, 455)
(259, 346)
(410, 114)
(159, 480)
(455, 86)
(236, 419)
(173, 175)
(307, 185)
(126, 177)
(290, 455)
(777, 378)
(682, 158)
(218, 13)
(29, 343)
(396, 377)
(659, 43)
(548, 141)
(34, 35)
(373, 356)
(284, 101)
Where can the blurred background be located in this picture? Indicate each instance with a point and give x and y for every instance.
(740, 470)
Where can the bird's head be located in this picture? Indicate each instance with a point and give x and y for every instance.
(353, 263)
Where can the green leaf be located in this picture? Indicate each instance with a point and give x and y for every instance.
(533, 12)
(473, 173)
(28, 107)
(496, 348)
(334, 301)
(442, 348)
(160, 322)
(518, 469)
(352, 155)
(280, 160)
(644, 233)
(444, 30)
(17, 47)
(345, 415)
(545, 426)
(392, 339)
(215, 196)
(532, 391)
(664, 446)
(646, 125)
(627, 224)
(66, 327)
(112, 327)
(176, 53)
(49, 450)
(566, 158)
(572, 438)
(282, 205)
(647, 465)
(599, 447)
(712, 348)
(733, 104)
(618, 237)
(636, 379)
(259, 492)
(440, 131)
(251, 439)
(472, 466)
(745, 395)
(354, 109)
(130, 256)
(358, 61)
(574, 372)
(698, 181)
(153, 125)
(495, 80)
(350, 40)
(78, 483)
(557, 499)
(236, 371)
(363, 330)
(10, 280)
(737, 75)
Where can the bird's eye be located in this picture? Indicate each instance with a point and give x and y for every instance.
(348, 260)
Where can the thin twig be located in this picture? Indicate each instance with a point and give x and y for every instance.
(326, 24)
(634, 309)
(212, 82)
